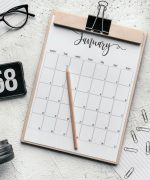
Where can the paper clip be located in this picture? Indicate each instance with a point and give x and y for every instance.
(145, 129)
(144, 115)
(128, 174)
(147, 148)
(134, 136)
(130, 149)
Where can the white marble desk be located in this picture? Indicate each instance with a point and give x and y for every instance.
(32, 163)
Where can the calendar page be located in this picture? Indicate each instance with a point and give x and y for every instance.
(103, 74)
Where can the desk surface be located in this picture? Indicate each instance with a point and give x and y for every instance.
(25, 45)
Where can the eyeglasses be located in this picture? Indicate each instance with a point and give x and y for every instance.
(16, 17)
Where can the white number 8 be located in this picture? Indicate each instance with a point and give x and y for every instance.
(8, 79)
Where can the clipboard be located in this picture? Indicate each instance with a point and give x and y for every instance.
(101, 28)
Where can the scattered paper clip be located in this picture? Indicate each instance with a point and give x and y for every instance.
(130, 149)
(147, 148)
(134, 136)
(128, 174)
(145, 129)
(144, 115)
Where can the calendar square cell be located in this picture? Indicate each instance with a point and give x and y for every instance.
(109, 90)
(97, 87)
(111, 139)
(113, 74)
(90, 118)
(69, 132)
(52, 109)
(102, 120)
(118, 108)
(36, 121)
(122, 93)
(48, 124)
(74, 81)
(125, 77)
(51, 60)
(106, 105)
(86, 133)
(81, 99)
(64, 112)
(63, 62)
(76, 65)
(59, 78)
(79, 113)
(84, 84)
(98, 136)
(39, 106)
(43, 90)
(46, 75)
(65, 98)
(93, 102)
(56, 93)
(88, 69)
(61, 127)
(100, 72)
(115, 123)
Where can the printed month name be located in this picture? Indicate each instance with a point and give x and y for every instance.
(90, 42)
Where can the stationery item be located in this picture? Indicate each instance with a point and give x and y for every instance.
(133, 135)
(16, 17)
(12, 83)
(71, 108)
(104, 64)
(6, 152)
(144, 115)
(134, 164)
(146, 129)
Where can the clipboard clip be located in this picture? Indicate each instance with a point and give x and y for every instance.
(99, 24)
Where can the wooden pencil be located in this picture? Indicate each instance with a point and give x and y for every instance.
(72, 115)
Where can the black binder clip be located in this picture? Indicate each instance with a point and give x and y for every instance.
(97, 24)
(6, 152)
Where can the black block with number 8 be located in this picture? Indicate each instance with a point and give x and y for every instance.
(12, 83)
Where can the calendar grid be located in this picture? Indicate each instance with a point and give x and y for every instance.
(95, 129)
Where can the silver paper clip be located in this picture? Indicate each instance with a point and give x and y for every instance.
(144, 115)
(147, 148)
(128, 174)
(130, 149)
(133, 135)
(145, 129)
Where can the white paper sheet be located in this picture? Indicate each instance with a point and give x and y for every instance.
(102, 72)
(4, 6)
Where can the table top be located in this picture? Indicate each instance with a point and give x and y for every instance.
(25, 45)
